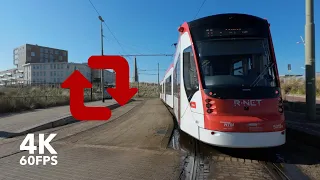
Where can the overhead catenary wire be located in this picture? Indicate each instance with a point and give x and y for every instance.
(141, 54)
(152, 70)
(195, 16)
(147, 74)
(120, 44)
(118, 52)
(136, 47)
(107, 27)
(199, 9)
(128, 55)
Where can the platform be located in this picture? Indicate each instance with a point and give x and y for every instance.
(16, 123)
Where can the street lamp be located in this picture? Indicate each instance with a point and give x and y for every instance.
(310, 61)
(302, 41)
(102, 71)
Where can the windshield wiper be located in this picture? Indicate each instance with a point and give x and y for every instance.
(267, 53)
(257, 80)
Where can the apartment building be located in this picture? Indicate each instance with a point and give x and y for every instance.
(29, 53)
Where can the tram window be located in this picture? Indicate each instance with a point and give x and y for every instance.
(162, 88)
(238, 68)
(176, 78)
(249, 64)
(237, 65)
(189, 72)
(168, 85)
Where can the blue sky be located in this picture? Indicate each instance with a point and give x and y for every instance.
(141, 26)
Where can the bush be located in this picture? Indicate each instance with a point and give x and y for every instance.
(147, 90)
(18, 99)
(25, 98)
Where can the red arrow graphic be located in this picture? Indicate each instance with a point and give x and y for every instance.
(77, 83)
(122, 93)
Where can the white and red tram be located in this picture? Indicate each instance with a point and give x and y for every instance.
(223, 84)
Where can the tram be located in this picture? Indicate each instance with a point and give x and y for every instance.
(223, 84)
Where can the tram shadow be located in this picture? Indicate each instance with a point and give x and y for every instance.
(293, 152)
(290, 153)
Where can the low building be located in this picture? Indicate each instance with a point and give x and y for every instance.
(11, 77)
(56, 73)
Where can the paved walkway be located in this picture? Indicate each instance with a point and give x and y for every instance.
(19, 122)
(129, 146)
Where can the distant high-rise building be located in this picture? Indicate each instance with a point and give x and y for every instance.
(29, 53)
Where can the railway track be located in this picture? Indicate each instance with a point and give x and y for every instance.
(202, 168)
(199, 165)
(191, 161)
(195, 160)
(276, 171)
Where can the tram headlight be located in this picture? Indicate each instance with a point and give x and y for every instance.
(210, 105)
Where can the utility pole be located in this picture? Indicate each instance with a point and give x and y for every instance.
(102, 70)
(158, 80)
(310, 61)
(138, 83)
(91, 83)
